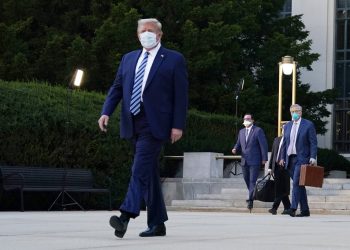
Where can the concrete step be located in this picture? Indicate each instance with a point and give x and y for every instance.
(235, 191)
(211, 180)
(240, 180)
(221, 196)
(202, 203)
(330, 205)
(235, 196)
(218, 203)
(217, 209)
(254, 210)
(328, 198)
(257, 204)
(230, 195)
(335, 186)
(336, 181)
(326, 192)
(309, 190)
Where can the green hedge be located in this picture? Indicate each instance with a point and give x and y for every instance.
(331, 160)
(33, 119)
(33, 123)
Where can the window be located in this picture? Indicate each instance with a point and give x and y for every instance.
(287, 9)
(341, 133)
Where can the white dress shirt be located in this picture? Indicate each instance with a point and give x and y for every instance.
(279, 149)
(247, 133)
(151, 56)
(291, 147)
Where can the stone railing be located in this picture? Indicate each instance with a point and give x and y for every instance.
(207, 165)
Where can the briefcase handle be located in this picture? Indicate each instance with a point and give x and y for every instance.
(268, 176)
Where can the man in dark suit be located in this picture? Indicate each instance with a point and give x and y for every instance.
(299, 147)
(152, 82)
(252, 145)
(281, 176)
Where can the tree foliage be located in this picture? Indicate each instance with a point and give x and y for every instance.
(223, 42)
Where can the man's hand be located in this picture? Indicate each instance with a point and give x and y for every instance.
(281, 163)
(176, 134)
(269, 171)
(312, 161)
(103, 122)
(263, 162)
(234, 151)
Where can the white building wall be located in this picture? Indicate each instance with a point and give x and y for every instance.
(319, 19)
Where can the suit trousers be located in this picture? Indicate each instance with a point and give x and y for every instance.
(282, 187)
(250, 175)
(299, 192)
(145, 181)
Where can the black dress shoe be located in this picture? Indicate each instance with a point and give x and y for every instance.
(291, 212)
(158, 230)
(250, 205)
(273, 211)
(305, 213)
(120, 224)
(285, 211)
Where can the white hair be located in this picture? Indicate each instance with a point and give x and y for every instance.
(141, 22)
(296, 106)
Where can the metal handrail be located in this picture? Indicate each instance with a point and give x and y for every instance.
(173, 156)
(229, 157)
(218, 157)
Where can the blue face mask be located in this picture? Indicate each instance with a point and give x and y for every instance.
(148, 39)
(295, 116)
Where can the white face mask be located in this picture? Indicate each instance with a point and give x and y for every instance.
(148, 39)
(247, 123)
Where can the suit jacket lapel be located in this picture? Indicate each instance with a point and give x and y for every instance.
(242, 137)
(299, 130)
(250, 134)
(287, 131)
(156, 63)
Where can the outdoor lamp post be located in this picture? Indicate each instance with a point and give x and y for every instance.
(287, 67)
(75, 82)
(239, 88)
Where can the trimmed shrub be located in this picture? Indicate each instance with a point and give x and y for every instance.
(36, 131)
(43, 125)
(331, 160)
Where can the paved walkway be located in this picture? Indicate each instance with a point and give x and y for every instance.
(186, 230)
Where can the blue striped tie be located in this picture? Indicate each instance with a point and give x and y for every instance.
(136, 91)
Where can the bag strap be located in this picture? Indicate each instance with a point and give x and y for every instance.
(268, 176)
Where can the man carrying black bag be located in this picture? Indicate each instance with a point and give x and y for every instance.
(281, 176)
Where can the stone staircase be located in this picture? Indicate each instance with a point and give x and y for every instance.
(230, 195)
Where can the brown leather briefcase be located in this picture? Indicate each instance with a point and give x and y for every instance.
(311, 176)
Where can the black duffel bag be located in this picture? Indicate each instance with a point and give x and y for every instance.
(265, 189)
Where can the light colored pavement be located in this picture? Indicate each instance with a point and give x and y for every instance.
(185, 230)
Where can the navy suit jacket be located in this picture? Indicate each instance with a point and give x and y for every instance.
(254, 151)
(165, 97)
(305, 145)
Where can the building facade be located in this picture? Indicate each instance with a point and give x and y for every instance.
(328, 22)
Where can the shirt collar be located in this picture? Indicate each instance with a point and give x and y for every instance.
(298, 122)
(153, 52)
